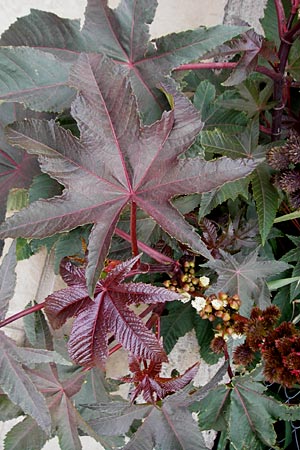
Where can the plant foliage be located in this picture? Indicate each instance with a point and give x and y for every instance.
(163, 178)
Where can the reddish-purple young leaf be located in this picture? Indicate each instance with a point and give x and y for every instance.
(108, 313)
(116, 162)
(153, 387)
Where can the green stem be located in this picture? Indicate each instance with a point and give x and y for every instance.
(21, 314)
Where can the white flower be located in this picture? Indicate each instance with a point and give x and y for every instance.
(199, 303)
(185, 297)
(217, 304)
(204, 281)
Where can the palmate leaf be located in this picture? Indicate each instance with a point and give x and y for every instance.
(109, 313)
(212, 110)
(150, 385)
(245, 276)
(168, 425)
(60, 391)
(116, 162)
(18, 386)
(246, 412)
(234, 146)
(121, 34)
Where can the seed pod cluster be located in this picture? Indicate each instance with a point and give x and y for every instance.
(187, 281)
(286, 159)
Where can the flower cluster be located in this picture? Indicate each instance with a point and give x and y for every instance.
(279, 346)
(187, 281)
(286, 159)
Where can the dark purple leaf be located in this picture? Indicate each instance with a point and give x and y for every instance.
(17, 168)
(116, 162)
(121, 34)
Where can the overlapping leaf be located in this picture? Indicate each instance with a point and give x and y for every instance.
(169, 425)
(246, 143)
(152, 386)
(109, 313)
(121, 34)
(246, 412)
(116, 162)
(245, 276)
(17, 168)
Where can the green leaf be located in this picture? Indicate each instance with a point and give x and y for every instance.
(43, 187)
(25, 435)
(246, 411)
(121, 34)
(58, 33)
(295, 285)
(35, 78)
(269, 20)
(37, 330)
(273, 285)
(212, 110)
(8, 279)
(212, 199)
(205, 334)
(18, 386)
(250, 97)
(291, 216)
(245, 276)
(8, 410)
(177, 322)
(266, 199)
(17, 199)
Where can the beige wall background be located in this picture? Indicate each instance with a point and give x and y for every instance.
(172, 15)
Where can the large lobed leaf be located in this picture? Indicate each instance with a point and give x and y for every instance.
(234, 146)
(121, 34)
(247, 413)
(17, 385)
(109, 313)
(245, 276)
(116, 162)
(168, 425)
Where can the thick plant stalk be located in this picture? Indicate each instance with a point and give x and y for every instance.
(21, 314)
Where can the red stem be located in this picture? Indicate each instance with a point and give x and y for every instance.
(209, 65)
(163, 259)
(225, 65)
(134, 245)
(281, 19)
(21, 314)
(286, 42)
(229, 370)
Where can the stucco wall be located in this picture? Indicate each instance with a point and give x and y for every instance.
(172, 15)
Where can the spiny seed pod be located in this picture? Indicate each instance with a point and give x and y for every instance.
(218, 344)
(289, 181)
(243, 355)
(278, 158)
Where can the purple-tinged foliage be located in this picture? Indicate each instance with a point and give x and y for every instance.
(108, 313)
